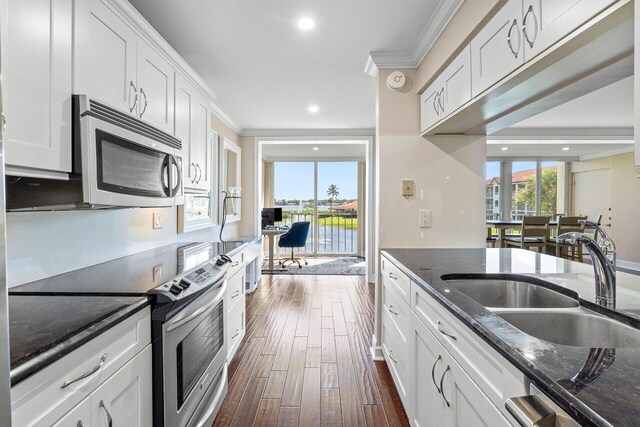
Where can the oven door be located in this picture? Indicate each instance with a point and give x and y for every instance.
(124, 168)
(194, 352)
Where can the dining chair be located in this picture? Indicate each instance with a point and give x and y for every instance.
(534, 233)
(567, 224)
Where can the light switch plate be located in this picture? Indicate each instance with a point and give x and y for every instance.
(424, 219)
(158, 220)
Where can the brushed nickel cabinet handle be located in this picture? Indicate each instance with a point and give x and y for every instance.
(391, 310)
(524, 25)
(145, 102)
(433, 373)
(441, 388)
(135, 100)
(237, 293)
(237, 333)
(515, 53)
(393, 276)
(86, 374)
(441, 330)
(106, 411)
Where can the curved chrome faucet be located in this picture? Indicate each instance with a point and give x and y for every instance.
(603, 258)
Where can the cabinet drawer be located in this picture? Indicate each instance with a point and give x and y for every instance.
(497, 378)
(397, 309)
(397, 357)
(78, 416)
(41, 400)
(396, 278)
(235, 331)
(235, 291)
(237, 262)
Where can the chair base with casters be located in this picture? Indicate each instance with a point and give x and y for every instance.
(296, 237)
(294, 260)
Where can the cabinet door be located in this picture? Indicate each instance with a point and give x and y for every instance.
(431, 106)
(456, 82)
(79, 416)
(497, 49)
(547, 21)
(36, 67)
(468, 405)
(429, 367)
(125, 399)
(155, 88)
(201, 145)
(185, 104)
(105, 52)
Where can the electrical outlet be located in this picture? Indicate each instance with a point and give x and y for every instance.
(158, 220)
(424, 219)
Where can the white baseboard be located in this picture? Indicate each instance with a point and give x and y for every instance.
(628, 265)
(376, 353)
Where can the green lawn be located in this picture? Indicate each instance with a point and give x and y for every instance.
(338, 221)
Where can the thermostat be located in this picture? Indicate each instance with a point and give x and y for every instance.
(396, 80)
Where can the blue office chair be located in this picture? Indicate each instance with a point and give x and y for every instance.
(296, 237)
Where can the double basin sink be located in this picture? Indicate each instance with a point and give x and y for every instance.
(546, 314)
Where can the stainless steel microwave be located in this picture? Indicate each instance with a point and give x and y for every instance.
(119, 161)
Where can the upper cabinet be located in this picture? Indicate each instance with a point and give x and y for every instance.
(155, 88)
(105, 56)
(201, 144)
(497, 49)
(36, 68)
(547, 21)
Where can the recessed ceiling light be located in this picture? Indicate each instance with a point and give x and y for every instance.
(315, 148)
(306, 24)
(504, 148)
(313, 108)
(565, 148)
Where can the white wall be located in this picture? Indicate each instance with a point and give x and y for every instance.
(43, 244)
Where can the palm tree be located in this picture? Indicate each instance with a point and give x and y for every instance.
(332, 192)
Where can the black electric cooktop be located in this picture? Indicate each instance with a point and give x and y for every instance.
(132, 275)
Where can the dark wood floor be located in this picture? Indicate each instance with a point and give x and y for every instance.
(305, 358)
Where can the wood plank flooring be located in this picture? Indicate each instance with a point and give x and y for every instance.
(305, 359)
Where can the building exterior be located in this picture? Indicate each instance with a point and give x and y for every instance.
(518, 183)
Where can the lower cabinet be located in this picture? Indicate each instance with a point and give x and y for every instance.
(125, 398)
(80, 416)
(444, 393)
(235, 310)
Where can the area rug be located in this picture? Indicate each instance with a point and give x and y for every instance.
(344, 266)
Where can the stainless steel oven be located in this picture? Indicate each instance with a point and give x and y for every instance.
(190, 347)
(119, 160)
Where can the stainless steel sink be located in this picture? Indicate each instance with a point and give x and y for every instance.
(575, 327)
(511, 294)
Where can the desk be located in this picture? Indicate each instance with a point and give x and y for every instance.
(271, 234)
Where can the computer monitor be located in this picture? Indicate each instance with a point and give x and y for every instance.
(270, 216)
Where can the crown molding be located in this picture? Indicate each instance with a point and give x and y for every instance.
(285, 133)
(226, 118)
(436, 24)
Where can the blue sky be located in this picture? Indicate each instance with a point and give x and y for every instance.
(294, 180)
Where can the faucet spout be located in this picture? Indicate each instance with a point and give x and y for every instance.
(603, 260)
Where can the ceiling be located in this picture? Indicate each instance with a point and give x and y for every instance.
(265, 71)
(304, 150)
(554, 149)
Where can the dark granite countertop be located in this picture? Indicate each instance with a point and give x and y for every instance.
(44, 328)
(609, 398)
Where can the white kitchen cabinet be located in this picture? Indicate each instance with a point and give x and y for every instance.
(431, 106)
(547, 21)
(456, 82)
(497, 49)
(201, 144)
(185, 104)
(80, 416)
(36, 67)
(235, 302)
(155, 88)
(444, 393)
(126, 397)
(105, 56)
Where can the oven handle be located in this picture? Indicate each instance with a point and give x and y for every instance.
(214, 402)
(177, 323)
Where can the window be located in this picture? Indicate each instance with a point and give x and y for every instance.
(537, 188)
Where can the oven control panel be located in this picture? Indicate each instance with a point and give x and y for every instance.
(192, 282)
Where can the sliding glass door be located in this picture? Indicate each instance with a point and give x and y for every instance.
(325, 194)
